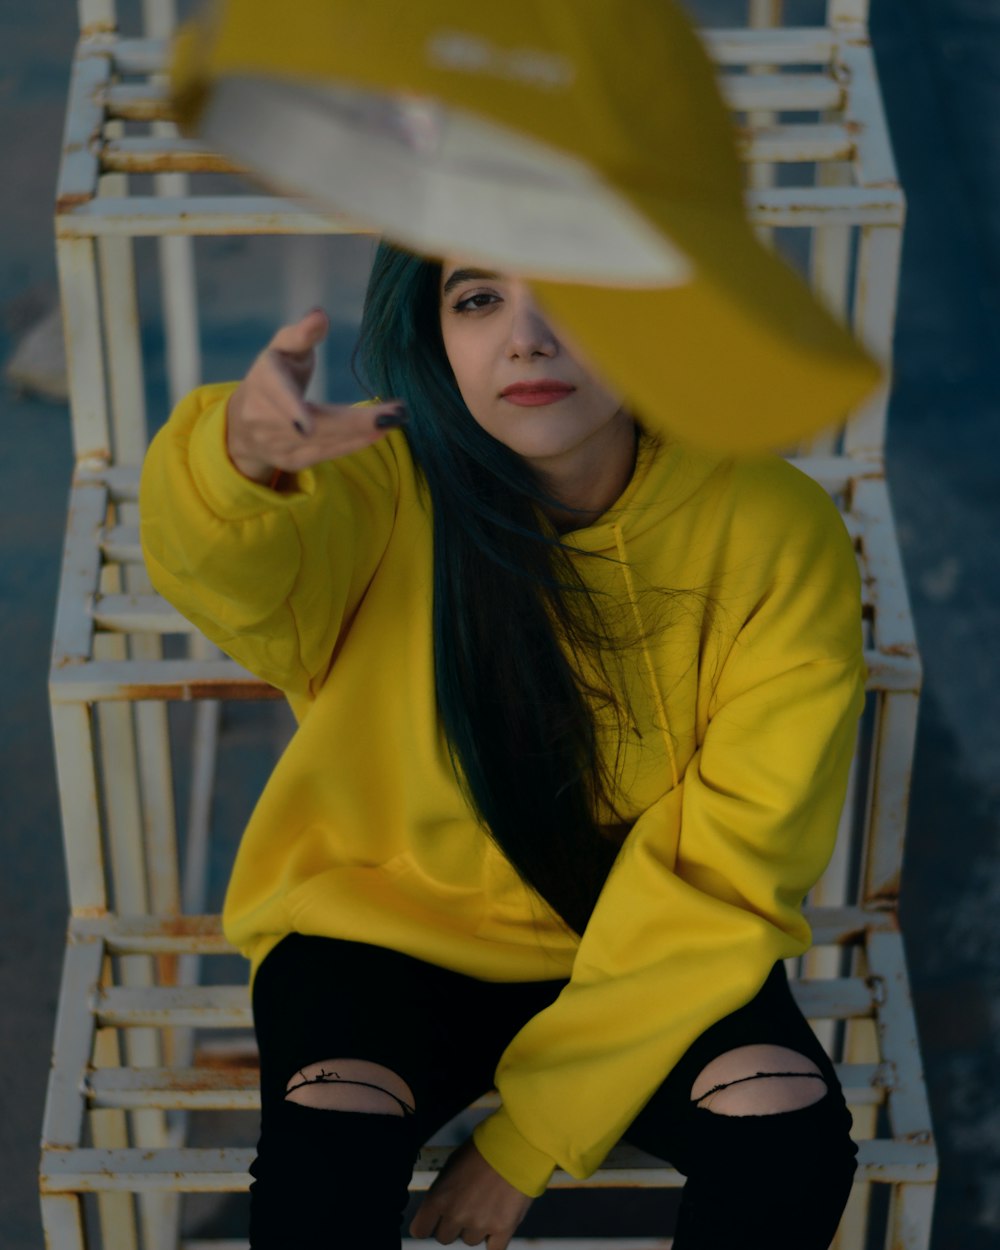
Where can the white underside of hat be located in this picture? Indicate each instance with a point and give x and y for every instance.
(441, 181)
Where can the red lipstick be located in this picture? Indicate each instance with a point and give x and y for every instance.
(541, 391)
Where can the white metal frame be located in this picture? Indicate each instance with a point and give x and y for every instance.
(125, 1072)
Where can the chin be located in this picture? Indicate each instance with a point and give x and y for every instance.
(540, 437)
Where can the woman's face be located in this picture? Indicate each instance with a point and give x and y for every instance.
(517, 379)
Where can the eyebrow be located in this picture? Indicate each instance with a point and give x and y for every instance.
(467, 275)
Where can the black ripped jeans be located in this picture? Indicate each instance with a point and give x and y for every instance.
(331, 1179)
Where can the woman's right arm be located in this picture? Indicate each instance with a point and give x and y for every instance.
(263, 517)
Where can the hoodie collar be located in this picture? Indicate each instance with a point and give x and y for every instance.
(666, 475)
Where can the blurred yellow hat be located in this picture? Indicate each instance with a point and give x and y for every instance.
(581, 143)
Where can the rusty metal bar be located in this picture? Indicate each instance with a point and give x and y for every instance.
(78, 169)
(829, 270)
(893, 750)
(864, 115)
(228, 1006)
(138, 102)
(121, 481)
(62, 1222)
(72, 641)
(140, 614)
(846, 13)
(225, 1170)
(73, 1044)
(763, 141)
(203, 934)
(232, 215)
(860, 1046)
(770, 45)
(165, 679)
(911, 1215)
(875, 294)
(120, 308)
(120, 544)
(200, 1006)
(155, 155)
(825, 206)
(76, 263)
(109, 1130)
(99, 681)
(79, 807)
(894, 632)
(155, 935)
(98, 14)
(909, 1110)
(201, 215)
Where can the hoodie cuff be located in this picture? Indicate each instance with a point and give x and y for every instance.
(230, 495)
(507, 1152)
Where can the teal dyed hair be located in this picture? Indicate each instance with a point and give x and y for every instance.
(517, 715)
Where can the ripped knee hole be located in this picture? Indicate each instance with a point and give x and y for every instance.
(331, 1076)
(816, 1076)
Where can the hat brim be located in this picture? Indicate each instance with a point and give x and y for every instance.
(741, 359)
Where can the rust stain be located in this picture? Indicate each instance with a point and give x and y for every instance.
(94, 460)
(140, 110)
(888, 895)
(169, 163)
(184, 926)
(905, 649)
(198, 689)
(240, 1075)
(90, 913)
(72, 199)
(167, 969)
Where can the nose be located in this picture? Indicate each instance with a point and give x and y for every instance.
(529, 333)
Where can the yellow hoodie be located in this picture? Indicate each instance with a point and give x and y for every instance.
(746, 690)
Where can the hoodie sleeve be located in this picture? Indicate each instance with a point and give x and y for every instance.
(705, 895)
(273, 578)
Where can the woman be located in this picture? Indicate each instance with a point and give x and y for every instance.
(576, 708)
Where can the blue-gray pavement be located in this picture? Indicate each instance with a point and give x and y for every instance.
(939, 62)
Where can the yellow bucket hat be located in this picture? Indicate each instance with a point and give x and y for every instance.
(581, 143)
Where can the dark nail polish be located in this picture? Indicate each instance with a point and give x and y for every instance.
(300, 427)
(389, 420)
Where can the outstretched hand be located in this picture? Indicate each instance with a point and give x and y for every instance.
(470, 1200)
(271, 425)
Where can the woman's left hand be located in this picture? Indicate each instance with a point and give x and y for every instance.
(470, 1200)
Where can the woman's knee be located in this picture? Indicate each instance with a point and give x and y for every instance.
(761, 1079)
(328, 1163)
(351, 1085)
(781, 1112)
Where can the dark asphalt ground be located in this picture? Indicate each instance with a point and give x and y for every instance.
(939, 62)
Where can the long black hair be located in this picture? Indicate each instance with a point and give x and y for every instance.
(521, 647)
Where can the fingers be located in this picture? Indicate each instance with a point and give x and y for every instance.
(280, 388)
(300, 338)
(290, 358)
(447, 1231)
(452, 1213)
(270, 423)
(339, 429)
(335, 430)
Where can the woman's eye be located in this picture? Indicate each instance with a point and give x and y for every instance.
(471, 302)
